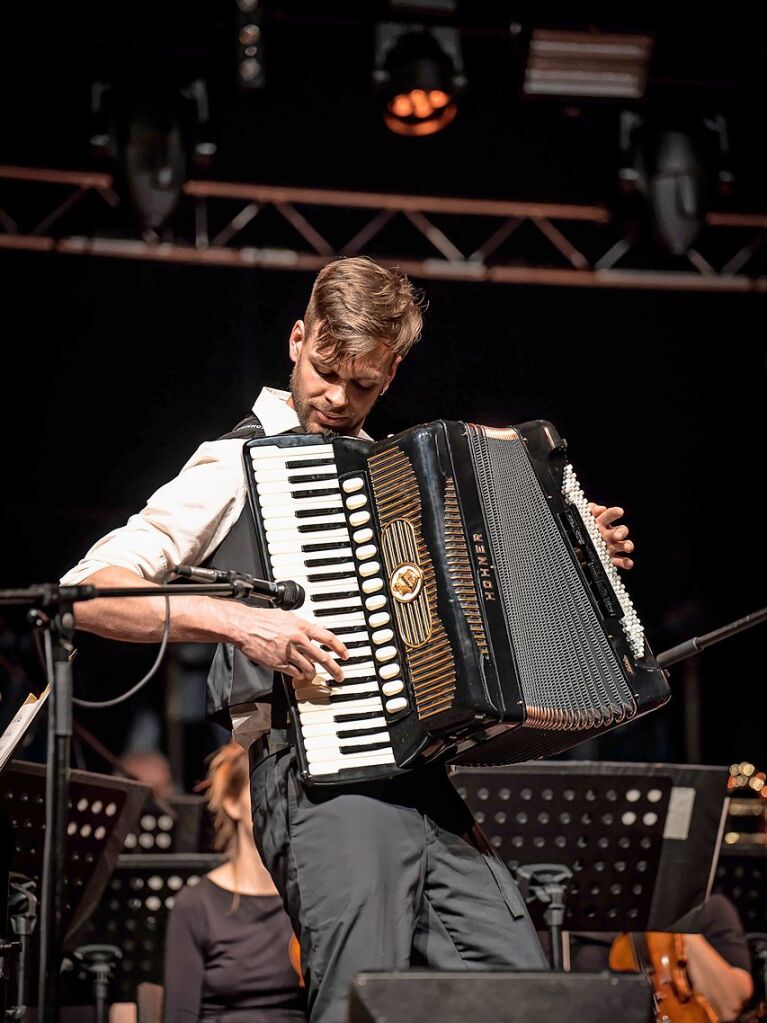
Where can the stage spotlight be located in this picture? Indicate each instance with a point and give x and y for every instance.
(419, 73)
(102, 136)
(152, 134)
(154, 162)
(250, 51)
(589, 64)
(665, 165)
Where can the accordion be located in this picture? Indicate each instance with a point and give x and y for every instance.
(461, 566)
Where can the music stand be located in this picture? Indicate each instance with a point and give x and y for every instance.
(133, 913)
(179, 824)
(741, 875)
(20, 723)
(102, 809)
(641, 839)
(8, 947)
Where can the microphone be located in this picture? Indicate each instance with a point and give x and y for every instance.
(287, 594)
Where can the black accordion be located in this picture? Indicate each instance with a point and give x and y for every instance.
(461, 567)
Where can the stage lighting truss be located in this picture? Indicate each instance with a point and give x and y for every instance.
(437, 237)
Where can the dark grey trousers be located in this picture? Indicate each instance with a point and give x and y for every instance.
(384, 876)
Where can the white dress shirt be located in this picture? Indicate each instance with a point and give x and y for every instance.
(186, 519)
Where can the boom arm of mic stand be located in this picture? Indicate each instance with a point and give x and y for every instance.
(693, 646)
(52, 596)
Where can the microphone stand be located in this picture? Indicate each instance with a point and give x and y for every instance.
(51, 608)
(23, 915)
(548, 882)
(694, 646)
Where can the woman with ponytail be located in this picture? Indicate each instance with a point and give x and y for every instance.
(230, 952)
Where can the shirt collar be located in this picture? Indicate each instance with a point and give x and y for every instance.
(276, 416)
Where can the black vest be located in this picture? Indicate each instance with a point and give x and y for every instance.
(233, 679)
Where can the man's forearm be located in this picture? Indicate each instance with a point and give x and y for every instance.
(193, 619)
(275, 639)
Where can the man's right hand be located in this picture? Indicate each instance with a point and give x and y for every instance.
(285, 642)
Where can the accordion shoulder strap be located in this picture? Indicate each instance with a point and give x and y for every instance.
(247, 429)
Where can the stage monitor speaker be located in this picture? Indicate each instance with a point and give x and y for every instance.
(498, 996)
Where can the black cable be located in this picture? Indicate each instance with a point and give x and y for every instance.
(103, 704)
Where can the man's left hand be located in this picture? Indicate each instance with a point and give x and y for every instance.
(613, 535)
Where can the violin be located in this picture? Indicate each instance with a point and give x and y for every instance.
(660, 956)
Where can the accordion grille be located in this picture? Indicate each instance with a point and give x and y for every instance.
(569, 674)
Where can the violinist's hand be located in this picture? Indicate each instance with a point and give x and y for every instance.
(614, 536)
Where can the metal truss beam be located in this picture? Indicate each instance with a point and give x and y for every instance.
(438, 238)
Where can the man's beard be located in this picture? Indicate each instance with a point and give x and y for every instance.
(304, 410)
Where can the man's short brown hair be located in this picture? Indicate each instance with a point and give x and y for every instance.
(356, 303)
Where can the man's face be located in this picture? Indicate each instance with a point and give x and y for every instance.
(335, 398)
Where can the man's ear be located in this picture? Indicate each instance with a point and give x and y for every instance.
(391, 374)
(297, 338)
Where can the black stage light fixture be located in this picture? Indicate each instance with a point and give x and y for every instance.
(199, 129)
(250, 50)
(154, 160)
(665, 164)
(152, 133)
(103, 144)
(573, 64)
(419, 74)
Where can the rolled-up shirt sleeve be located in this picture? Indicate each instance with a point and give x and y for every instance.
(182, 523)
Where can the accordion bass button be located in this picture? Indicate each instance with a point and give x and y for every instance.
(356, 501)
(362, 535)
(359, 518)
(382, 636)
(372, 585)
(379, 619)
(369, 569)
(375, 603)
(353, 485)
(368, 550)
(389, 671)
(386, 653)
(392, 688)
(396, 705)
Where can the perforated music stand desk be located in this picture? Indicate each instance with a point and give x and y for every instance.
(178, 824)
(741, 875)
(642, 840)
(102, 811)
(133, 913)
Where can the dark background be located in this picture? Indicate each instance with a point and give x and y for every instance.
(116, 370)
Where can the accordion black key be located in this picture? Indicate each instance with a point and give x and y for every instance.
(461, 567)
